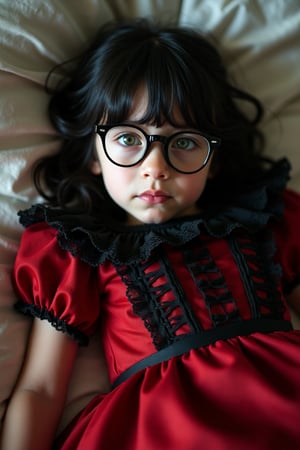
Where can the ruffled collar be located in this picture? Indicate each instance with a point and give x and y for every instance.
(95, 240)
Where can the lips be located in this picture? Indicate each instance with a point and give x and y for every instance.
(154, 197)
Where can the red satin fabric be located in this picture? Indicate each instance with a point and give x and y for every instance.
(240, 394)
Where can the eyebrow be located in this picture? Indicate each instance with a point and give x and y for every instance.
(173, 129)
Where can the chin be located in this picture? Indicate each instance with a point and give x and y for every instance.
(157, 219)
(148, 219)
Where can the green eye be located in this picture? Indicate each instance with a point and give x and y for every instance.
(129, 140)
(184, 143)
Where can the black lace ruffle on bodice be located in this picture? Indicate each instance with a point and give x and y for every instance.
(94, 239)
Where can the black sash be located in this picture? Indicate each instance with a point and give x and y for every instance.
(188, 342)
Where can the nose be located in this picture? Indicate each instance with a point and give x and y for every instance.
(155, 165)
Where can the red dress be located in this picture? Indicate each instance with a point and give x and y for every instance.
(217, 284)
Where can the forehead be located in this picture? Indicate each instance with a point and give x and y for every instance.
(139, 104)
(140, 107)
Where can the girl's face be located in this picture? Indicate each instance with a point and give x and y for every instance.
(151, 191)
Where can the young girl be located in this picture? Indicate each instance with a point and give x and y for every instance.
(166, 228)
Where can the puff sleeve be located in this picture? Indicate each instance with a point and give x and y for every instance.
(53, 285)
(287, 237)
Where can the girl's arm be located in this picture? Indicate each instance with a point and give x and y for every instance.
(35, 408)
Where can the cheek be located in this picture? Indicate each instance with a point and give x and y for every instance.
(193, 192)
(194, 185)
(116, 181)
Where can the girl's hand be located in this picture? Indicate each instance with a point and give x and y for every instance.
(35, 408)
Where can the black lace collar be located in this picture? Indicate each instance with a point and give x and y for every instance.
(95, 240)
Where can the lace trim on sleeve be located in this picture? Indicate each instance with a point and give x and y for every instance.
(58, 324)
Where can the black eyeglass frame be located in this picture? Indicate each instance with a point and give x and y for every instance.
(213, 143)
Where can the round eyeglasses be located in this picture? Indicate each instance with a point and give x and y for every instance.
(127, 145)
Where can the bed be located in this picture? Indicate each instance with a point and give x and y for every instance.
(261, 45)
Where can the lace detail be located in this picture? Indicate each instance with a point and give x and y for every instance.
(210, 282)
(43, 314)
(158, 299)
(259, 273)
(95, 239)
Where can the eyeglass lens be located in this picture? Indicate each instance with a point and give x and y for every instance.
(187, 151)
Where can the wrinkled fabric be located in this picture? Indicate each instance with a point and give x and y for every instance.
(240, 394)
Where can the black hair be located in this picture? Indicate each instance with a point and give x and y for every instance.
(180, 68)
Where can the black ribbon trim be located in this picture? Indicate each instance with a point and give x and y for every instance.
(204, 338)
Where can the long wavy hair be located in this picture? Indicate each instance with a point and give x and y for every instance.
(179, 67)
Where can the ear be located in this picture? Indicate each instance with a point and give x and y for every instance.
(95, 167)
